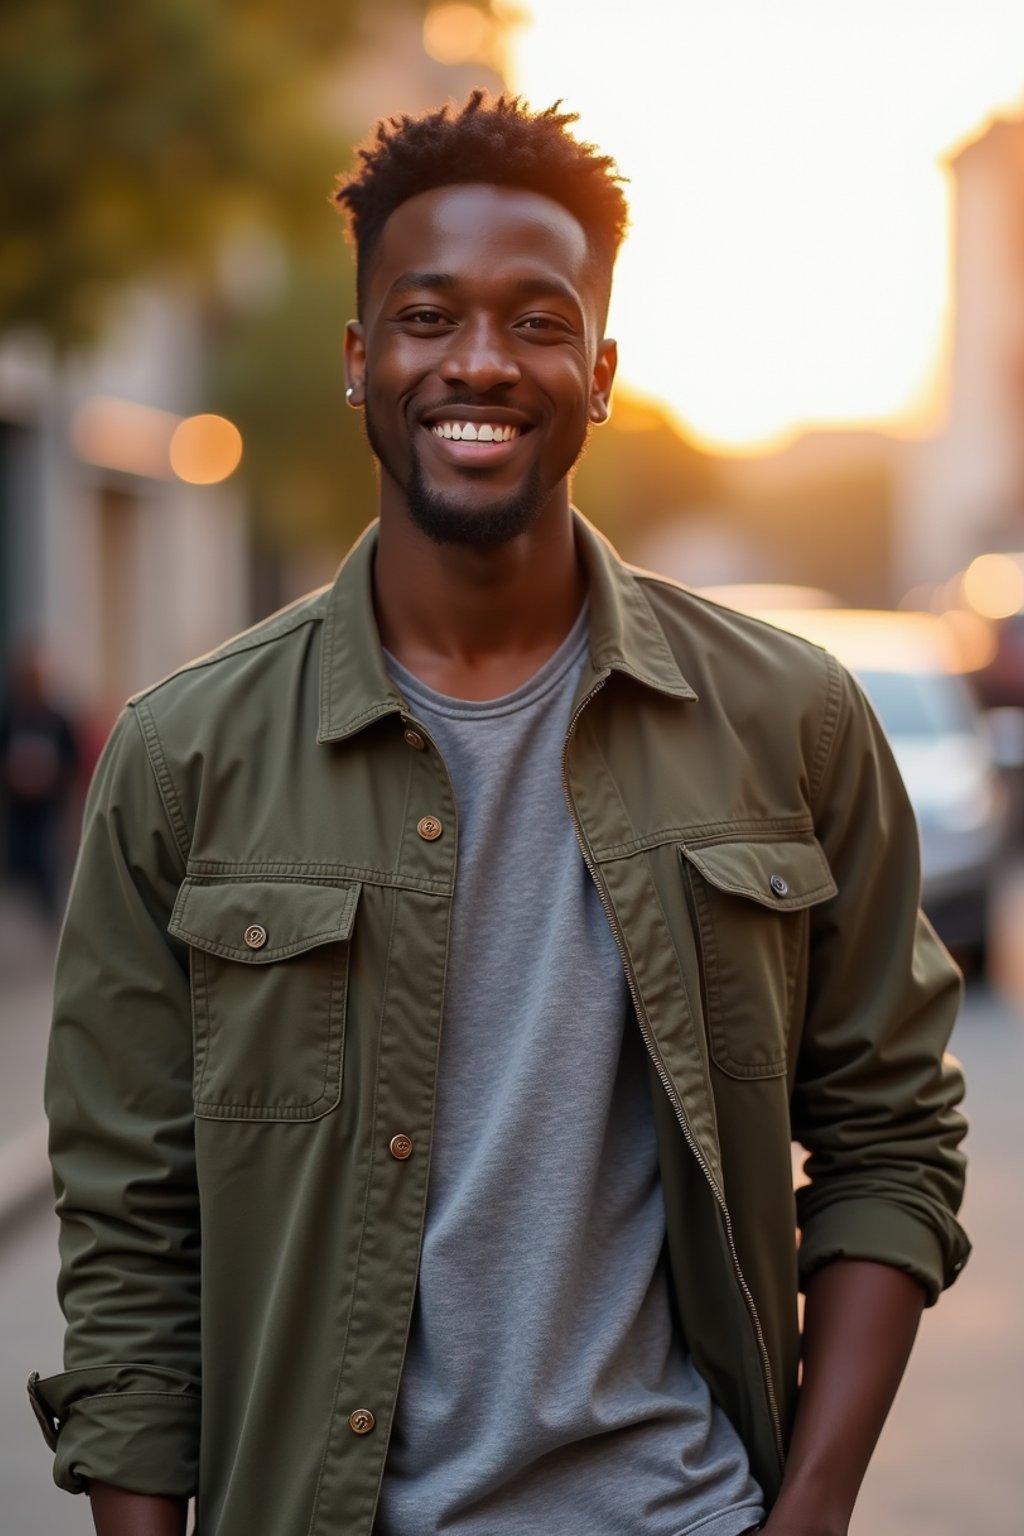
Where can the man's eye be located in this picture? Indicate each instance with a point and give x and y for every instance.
(543, 323)
(425, 317)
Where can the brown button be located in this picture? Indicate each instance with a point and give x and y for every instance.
(414, 739)
(361, 1421)
(429, 828)
(255, 936)
(401, 1147)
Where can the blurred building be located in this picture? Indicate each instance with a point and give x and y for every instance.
(963, 491)
(112, 562)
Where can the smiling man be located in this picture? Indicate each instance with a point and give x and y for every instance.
(452, 959)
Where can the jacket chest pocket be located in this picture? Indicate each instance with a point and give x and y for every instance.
(751, 905)
(269, 967)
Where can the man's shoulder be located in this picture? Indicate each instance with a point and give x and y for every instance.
(721, 646)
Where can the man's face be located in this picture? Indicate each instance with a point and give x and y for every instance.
(479, 359)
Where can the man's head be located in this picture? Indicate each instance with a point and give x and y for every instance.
(498, 143)
(485, 241)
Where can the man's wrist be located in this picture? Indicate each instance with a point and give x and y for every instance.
(803, 1509)
(116, 1512)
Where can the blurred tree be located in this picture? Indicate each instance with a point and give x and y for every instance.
(132, 137)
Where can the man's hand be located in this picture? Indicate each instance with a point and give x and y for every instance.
(859, 1326)
(116, 1512)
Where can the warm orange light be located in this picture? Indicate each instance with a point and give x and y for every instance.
(123, 435)
(632, 413)
(457, 34)
(974, 638)
(205, 449)
(993, 585)
(788, 261)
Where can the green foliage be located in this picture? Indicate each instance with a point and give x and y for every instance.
(132, 136)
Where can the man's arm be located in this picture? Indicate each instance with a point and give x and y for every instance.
(874, 1097)
(118, 1513)
(874, 1104)
(125, 1410)
(859, 1325)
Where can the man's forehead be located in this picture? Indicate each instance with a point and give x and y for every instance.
(467, 224)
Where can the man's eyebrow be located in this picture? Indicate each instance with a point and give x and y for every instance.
(409, 280)
(546, 288)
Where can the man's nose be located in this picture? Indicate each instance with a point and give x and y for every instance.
(480, 356)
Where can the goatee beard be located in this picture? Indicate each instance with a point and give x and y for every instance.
(488, 527)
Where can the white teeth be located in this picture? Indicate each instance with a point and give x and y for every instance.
(471, 432)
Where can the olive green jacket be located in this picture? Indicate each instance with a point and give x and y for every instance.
(249, 1001)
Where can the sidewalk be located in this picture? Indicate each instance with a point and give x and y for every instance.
(26, 967)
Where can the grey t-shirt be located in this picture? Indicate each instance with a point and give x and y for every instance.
(545, 1386)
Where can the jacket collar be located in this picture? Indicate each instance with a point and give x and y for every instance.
(355, 689)
(625, 635)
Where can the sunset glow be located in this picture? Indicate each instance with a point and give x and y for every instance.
(790, 259)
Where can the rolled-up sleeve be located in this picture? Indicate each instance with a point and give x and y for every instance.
(875, 1096)
(119, 1100)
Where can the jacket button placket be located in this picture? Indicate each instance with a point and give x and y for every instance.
(396, 1191)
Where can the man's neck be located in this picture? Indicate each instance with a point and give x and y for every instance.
(475, 624)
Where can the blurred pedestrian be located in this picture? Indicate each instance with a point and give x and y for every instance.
(39, 761)
(453, 958)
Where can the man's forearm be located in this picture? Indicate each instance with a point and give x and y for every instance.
(859, 1325)
(116, 1512)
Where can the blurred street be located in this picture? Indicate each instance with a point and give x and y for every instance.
(949, 1460)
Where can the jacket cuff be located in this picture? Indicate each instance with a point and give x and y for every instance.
(135, 1426)
(884, 1234)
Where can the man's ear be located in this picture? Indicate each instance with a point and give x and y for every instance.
(600, 407)
(355, 364)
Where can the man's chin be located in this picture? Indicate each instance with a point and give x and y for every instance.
(483, 525)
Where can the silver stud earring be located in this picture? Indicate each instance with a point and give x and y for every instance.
(349, 393)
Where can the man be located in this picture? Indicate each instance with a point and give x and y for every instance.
(452, 958)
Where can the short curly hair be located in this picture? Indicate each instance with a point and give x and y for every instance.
(497, 141)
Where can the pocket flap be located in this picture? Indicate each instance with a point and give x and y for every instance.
(783, 875)
(257, 921)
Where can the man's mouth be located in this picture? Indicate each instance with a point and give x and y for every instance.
(475, 431)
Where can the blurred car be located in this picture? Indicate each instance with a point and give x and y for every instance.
(907, 665)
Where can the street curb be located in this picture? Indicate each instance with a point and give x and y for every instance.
(24, 1172)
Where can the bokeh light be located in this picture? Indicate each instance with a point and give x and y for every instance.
(993, 585)
(205, 449)
(123, 435)
(974, 637)
(457, 33)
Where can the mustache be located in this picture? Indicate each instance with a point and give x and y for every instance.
(465, 397)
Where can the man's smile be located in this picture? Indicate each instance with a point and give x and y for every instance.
(476, 436)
